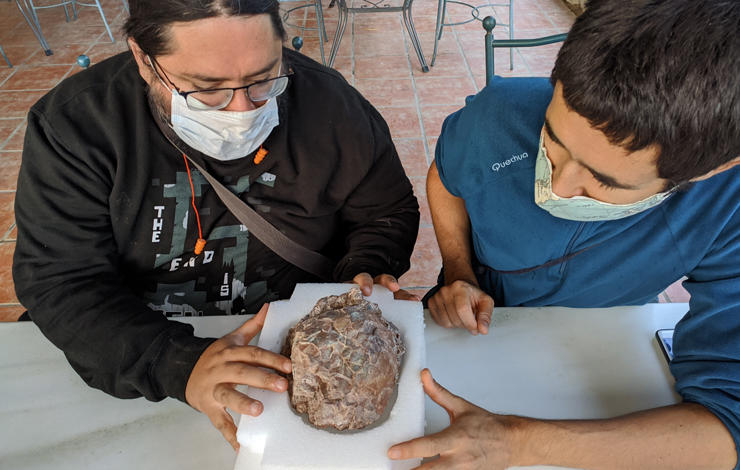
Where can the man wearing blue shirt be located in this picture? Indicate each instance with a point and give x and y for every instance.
(601, 187)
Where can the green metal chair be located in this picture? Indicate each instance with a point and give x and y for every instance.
(489, 23)
(475, 16)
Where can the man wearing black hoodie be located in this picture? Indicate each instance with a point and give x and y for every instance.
(117, 229)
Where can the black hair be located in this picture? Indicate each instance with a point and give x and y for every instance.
(149, 20)
(658, 73)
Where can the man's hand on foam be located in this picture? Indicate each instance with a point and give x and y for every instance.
(475, 439)
(462, 305)
(228, 362)
(366, 281)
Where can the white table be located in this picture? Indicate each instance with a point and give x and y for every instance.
(543, 362)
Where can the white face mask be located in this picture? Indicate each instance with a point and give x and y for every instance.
(581, 208)
(223, 135)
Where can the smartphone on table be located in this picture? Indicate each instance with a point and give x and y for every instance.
(665, 340)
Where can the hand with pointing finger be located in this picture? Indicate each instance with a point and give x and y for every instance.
(366, 281)
(475, 439)
(462, 305)
(228, 362)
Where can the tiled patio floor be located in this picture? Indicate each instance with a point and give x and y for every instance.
(375, 56)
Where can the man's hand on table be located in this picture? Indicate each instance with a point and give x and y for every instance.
(228, 362)
(366, 282)
(680, 436)
(462, 305)
(475, 439)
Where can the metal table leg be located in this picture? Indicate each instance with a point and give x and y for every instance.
(298, 40)
(343, 12)
(2, 51)
(376, 6)
(409, 21)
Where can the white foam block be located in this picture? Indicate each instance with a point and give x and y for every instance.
(279, 439)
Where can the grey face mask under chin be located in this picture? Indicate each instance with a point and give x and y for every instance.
(581, 208)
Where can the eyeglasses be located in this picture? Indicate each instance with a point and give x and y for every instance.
(219, 98)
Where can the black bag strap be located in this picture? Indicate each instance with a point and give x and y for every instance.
(292, 252)
(482, 268)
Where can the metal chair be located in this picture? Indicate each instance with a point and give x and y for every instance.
(26, 12)
(377, 6)
(475, 15)
(2, 51)
(298, 40)
(489, 23)
(28, 9)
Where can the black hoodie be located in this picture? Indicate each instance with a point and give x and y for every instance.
(106, 230)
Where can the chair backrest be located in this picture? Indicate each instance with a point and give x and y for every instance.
(489, 23)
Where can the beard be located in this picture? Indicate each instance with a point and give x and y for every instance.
(159, 104)
(159, 99)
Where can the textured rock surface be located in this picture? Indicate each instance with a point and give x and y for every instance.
(346, 362)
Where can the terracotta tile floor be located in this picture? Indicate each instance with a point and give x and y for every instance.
(375, 56)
